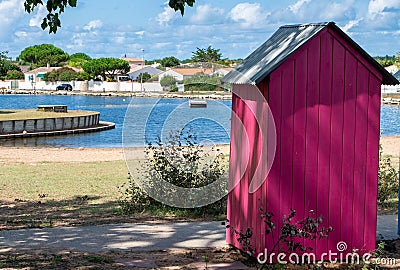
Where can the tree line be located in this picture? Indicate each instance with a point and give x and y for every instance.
(104, 68)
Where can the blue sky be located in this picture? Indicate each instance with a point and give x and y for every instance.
(105, 28)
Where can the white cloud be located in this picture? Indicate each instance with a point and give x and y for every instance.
(378, 6)
(92, 25)
(297, 6)
(37, 19)
(165, 17)
(351, 24)
(207, 14)
(11, 12)
(248, 15)
(21, 34)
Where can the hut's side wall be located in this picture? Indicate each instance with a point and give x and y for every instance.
(325, 100)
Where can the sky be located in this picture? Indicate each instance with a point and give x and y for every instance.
(104, 28)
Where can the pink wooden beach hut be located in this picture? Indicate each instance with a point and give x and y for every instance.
(323, 91)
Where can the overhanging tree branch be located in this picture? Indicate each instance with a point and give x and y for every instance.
(56, 7)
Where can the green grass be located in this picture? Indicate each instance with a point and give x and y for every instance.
(62, 181)
(7, 115)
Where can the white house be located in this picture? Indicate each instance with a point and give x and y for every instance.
(36, 75)
(135, 72)
(183, 73)
(221, 72)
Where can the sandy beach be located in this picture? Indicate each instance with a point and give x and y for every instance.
(390, 145)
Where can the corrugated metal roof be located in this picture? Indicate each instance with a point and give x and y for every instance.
(397, 75)
(285, 41)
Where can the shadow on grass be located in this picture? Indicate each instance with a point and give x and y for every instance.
(78, 211)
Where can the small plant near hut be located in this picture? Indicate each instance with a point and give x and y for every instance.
(291, 236)
(181, 161)
(388, 179)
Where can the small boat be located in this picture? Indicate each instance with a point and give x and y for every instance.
(197, 103)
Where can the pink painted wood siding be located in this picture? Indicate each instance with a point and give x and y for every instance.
(325, 100)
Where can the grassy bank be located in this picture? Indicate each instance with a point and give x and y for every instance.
(57, 193)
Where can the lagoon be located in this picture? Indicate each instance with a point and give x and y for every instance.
(147, 119)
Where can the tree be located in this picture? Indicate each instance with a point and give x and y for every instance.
(78, 59)
(41, 55)
(206, 55)
(143, 77)
(170, 61)
(15, 75)
(56, 7)
(167, 81)
(61, 74)
(6, 65)
(106, 67)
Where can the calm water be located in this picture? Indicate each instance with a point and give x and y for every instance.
(147, 119)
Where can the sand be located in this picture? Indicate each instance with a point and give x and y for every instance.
(391, 146)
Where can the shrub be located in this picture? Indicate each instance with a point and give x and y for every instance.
(143, 77)
(202, 82)
(180, 161)
(388, 179)
(14, 75)
(167, 81)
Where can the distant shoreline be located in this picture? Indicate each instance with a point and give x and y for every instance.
(205, 94)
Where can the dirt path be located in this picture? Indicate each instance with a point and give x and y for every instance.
(35, 155)
(391, 146)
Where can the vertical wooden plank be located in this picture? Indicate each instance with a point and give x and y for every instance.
(285, 189)
(233, 210)
(335, 171)
(275, 103)
(299, 142)
(324, 136)
(372, 163)
(252, 127)
(349, 123)
(312, 127)
(361, 158)
(260, 200)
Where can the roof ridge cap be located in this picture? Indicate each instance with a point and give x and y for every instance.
(306, 25)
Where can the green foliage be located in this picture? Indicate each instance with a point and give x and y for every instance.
(180, 162)
(153, 78)
(206, 55)
(291, 236)
(15, 75)
(184, 164)
(143, 77)
(7, 68)
(170, 61)
(202, 82)
(62, 74)
(65, 74)
(167, 82)
(180, 4)
(56, 7)
(106, 67)
(78, 59)
(388, 179)
(385, 61)
(173, 89)
(80, 56)
(41, 55)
